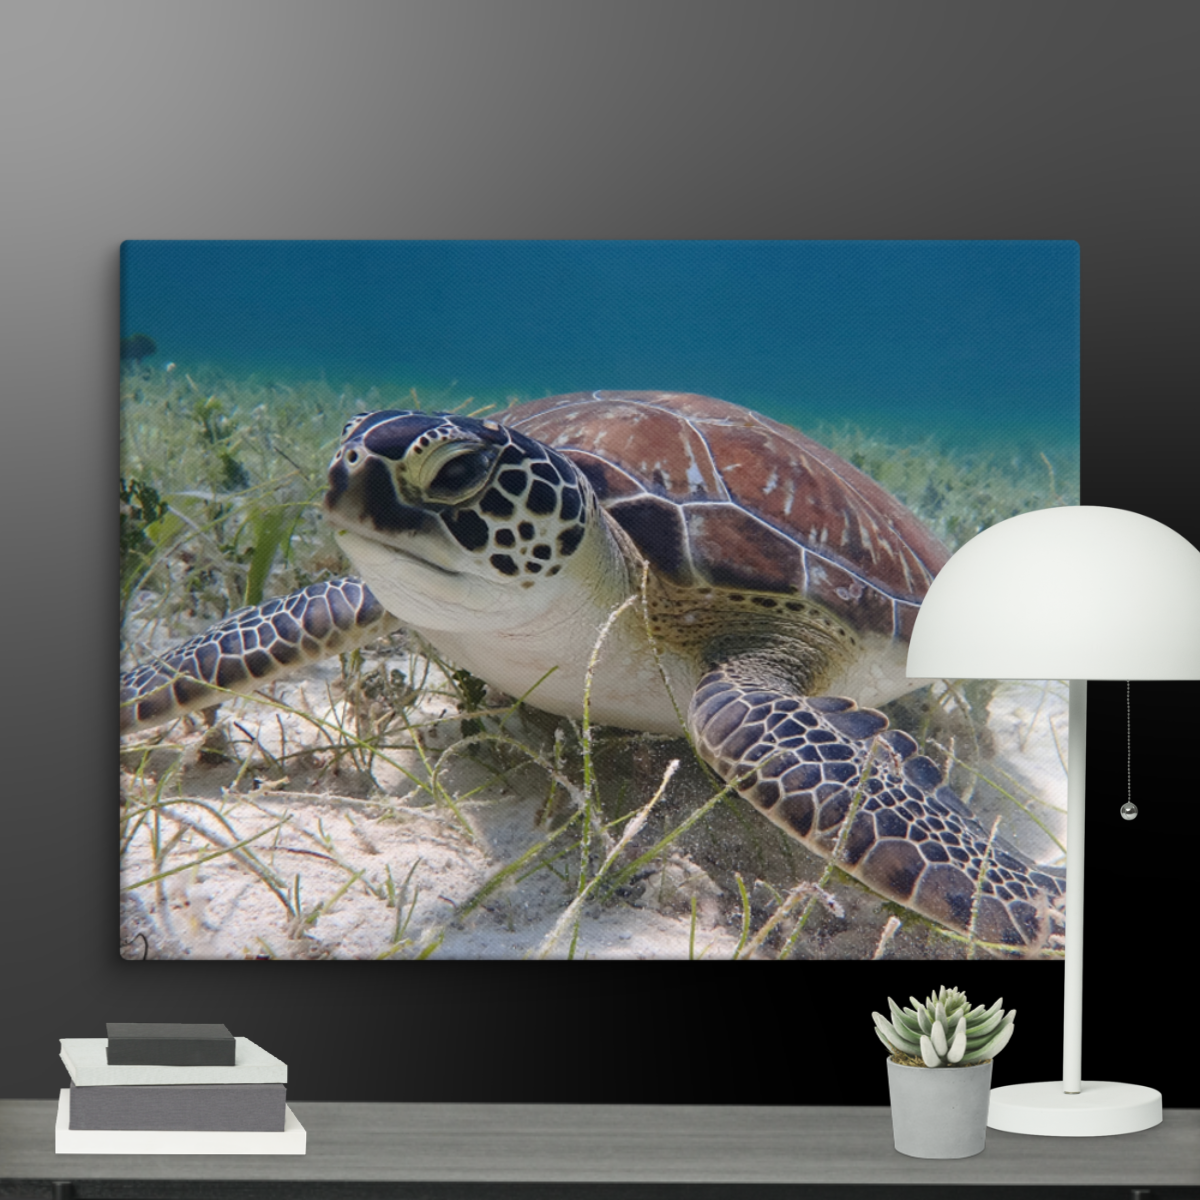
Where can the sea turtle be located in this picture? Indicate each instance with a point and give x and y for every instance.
(772, 582)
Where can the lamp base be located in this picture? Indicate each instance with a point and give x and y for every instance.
(1097, 1110)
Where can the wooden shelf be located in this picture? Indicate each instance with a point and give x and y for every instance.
(415, 1150)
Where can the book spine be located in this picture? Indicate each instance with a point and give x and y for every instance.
(215, 1107)
(165, 1052)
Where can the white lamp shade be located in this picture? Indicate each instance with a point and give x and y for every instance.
(1080, 592)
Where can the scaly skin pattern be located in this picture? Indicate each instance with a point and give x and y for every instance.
(251, 647)
(809, 762)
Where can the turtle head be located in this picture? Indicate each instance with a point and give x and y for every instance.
(452, 518)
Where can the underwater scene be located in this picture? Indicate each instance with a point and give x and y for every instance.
(582, 644)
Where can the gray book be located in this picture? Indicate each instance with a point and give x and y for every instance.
(169, 1045)
(87, 1064)
(216, 1107)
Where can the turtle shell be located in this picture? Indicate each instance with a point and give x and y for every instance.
(715, 495)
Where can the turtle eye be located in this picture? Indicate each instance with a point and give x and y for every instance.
(456, 472)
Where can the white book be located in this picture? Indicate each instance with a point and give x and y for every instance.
(86, 1060)
(293, 1139)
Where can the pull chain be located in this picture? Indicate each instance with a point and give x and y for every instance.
(1129, 810)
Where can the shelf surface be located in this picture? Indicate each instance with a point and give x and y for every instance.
(621, 1144)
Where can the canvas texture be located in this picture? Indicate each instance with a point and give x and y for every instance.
(566, 590)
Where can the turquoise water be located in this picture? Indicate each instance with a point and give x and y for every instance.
(966, 342)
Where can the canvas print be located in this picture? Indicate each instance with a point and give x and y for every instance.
(544, 600)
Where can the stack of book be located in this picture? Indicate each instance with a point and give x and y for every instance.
(174, 1089)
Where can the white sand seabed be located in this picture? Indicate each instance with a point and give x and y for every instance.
(381, 870)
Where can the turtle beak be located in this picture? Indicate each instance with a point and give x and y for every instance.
(362, 497)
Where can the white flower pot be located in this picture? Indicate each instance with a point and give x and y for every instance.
(939, 1112)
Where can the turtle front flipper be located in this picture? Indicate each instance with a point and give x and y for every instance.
(809, 762)
(251, 647)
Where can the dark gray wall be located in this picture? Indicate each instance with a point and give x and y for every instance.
(516, 118)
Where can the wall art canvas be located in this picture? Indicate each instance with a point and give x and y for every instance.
(537, 600)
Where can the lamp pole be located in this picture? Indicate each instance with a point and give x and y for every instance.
(1073, 986)
(1074, 1108)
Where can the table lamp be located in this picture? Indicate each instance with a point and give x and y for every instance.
(1074, 593)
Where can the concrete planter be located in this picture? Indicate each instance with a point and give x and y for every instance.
(939, 1112)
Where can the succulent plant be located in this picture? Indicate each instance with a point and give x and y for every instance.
(946, 1031)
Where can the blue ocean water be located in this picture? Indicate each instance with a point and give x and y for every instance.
(964, 341)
